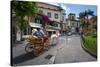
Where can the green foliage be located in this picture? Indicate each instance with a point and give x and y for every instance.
(22, 24)
(84, 18)
(90, 42)
(83, 15)
(22, 9)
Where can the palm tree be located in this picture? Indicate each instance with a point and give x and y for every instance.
(87, 14)
(84, 17)
(93, 21)
(23, 9)
(90, 12)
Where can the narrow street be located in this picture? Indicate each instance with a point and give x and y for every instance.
(43, 20)
(72, 51)
(67, 50)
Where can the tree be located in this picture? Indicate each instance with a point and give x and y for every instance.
(84, 18)
(23, 9)
(90, 12)
(87, 14)
(93, 21)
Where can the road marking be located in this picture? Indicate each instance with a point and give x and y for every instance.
(52, 60)
(69, 39)
(48, 57)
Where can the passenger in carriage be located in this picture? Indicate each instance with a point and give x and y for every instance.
(33, 31)
(45, 34)
(41, 34)
(38, 33)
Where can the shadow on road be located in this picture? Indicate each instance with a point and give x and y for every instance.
(23, 58)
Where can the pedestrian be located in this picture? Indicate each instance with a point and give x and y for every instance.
(33, 31)
(58, 34)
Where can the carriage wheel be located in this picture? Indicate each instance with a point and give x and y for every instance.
(29, 47)
(37, 51)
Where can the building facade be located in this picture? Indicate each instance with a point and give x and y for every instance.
(72, 24)
(51, 17)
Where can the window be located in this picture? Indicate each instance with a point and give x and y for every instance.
(62, 18)
(72, 24)
(49, 14)
(73, 17)
(56, 16)
(64, 13)
(55, 24)
(38, 20)
(40, 11)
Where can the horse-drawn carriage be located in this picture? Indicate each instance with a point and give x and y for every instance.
(36, 45)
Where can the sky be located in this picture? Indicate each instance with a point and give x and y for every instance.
(76, 8)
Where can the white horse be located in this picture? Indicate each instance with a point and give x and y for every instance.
(53, 39)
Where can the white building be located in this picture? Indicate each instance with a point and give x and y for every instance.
(72, 23)
(53, 13)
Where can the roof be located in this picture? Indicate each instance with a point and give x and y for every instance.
(71, 13)
(60, 8)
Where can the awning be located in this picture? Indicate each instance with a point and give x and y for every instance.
(50, 30)
(35, 25)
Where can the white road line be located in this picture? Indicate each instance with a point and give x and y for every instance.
(52, 60)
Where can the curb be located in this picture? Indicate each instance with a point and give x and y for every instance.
(87, 50)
